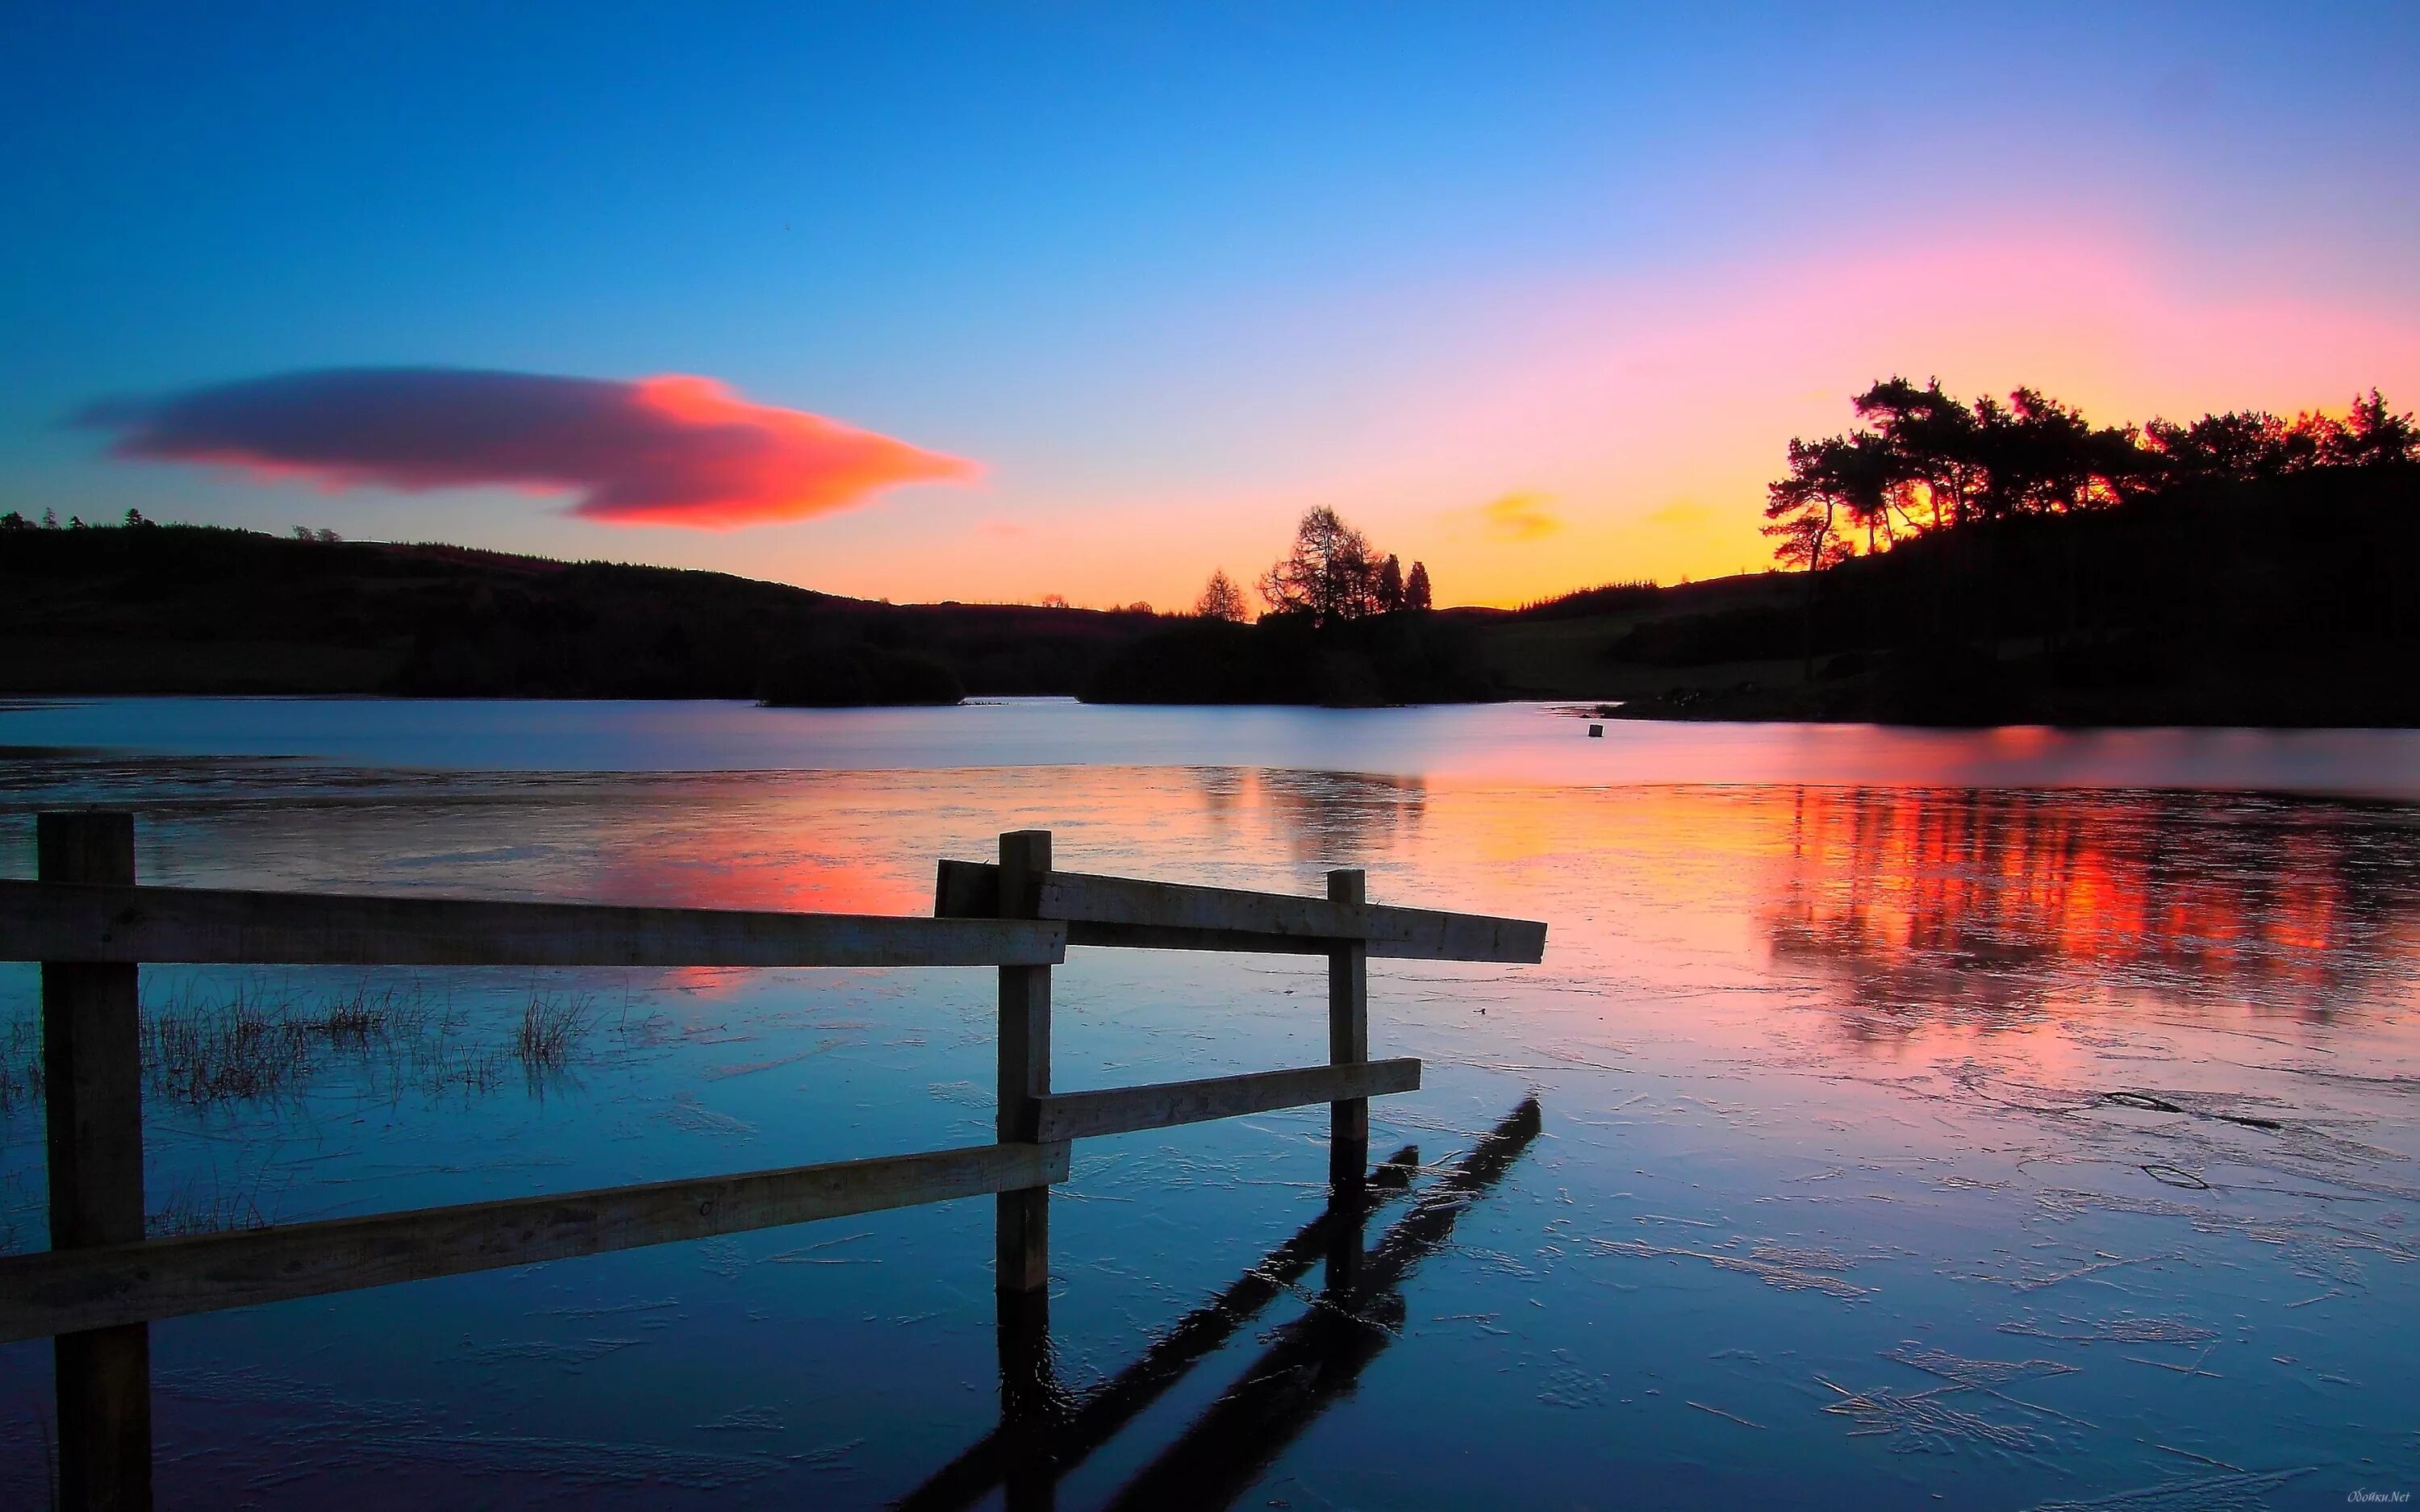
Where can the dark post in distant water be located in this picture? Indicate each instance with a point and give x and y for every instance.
(92, 1077)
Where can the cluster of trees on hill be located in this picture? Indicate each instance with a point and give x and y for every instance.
(1345, 624)
(1923, 461)
(2010, 560)
(1331, 575)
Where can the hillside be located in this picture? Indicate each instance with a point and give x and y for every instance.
(2280, 601)
(175, 609)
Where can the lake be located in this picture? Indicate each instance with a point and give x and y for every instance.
(1999, 1119)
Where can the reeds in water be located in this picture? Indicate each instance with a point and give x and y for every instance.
(551, 1030)
(214, 1209)
(217, 1045)
(256, 1043)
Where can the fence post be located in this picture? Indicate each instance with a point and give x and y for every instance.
(1022, 1226)
(92, 1081)
(1348, 1035)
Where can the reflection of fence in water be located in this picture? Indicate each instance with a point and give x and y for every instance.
(1046, 1432)
(102, 1283)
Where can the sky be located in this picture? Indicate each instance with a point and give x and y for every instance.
(992, 302)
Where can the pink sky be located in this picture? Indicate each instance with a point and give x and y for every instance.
(1557, 435)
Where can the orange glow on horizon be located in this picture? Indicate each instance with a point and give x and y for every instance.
(1853, 926)
(1651, 410)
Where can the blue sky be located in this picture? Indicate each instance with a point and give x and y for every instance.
(1171, 274)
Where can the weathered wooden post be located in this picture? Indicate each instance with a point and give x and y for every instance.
(1021, 1264)
(92, 1079)
(1348, 1035)
(1023, 1224)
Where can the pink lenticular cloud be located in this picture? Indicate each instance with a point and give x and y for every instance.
(658, 450)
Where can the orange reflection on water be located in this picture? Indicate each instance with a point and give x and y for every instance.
(1987, 903)
(1909, 912)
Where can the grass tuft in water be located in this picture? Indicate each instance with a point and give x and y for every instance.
(197, 1209)
(551, 1032)
(262, 1044)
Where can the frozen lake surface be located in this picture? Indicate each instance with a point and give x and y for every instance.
(2005, 1119)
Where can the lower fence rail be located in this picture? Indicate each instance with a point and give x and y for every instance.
(69, 1290)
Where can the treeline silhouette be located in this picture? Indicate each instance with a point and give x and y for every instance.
(1990, 561)
(1922, 463)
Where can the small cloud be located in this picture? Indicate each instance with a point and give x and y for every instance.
(1681, 516)
(660, 450)
(1517, 517)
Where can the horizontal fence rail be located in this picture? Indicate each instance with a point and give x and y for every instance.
(1129, 1109)
(101, 1285)
(1126, 911)
(62, 1291)
(194, 926)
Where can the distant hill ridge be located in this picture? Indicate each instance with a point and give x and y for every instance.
(2278, 601)
(189, 608)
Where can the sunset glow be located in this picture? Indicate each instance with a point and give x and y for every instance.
(1537, 300)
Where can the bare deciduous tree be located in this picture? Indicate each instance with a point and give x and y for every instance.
(1221, 599)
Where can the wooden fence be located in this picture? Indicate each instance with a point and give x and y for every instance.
(102, 1283)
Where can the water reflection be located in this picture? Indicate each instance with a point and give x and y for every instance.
(1315, 1360)
(1047, 1431)
(1324, 819)
(1986, 909)
(2128, 1068)
(826, 841)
